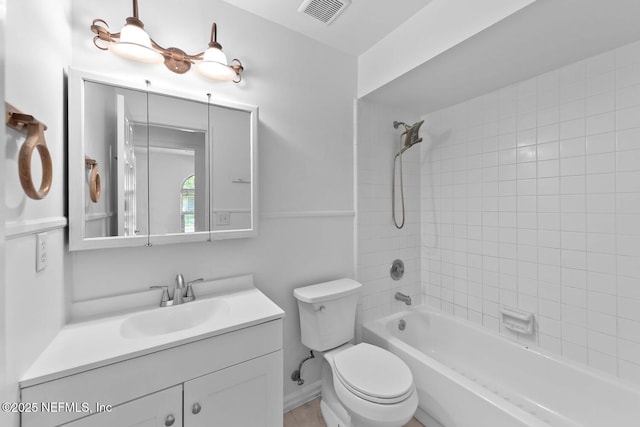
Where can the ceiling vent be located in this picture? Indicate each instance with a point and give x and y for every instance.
(324, 10)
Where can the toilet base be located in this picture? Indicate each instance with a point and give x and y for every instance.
(334, 414)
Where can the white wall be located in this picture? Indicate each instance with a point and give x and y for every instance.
(5, 392)
(531, 199)
(37, 52)
(305, 146)
(379, 242)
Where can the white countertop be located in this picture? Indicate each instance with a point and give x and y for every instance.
(94, 343)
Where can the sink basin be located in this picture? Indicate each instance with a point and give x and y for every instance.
(166, 320)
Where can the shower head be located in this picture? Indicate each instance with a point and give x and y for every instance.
(412, 134)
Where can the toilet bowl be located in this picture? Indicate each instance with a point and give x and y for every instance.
(362, 385)
(373, 386)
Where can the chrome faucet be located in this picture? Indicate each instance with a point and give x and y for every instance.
(181, 292)
(404, 298)
(178, 292)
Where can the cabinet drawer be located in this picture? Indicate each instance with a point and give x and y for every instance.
(139, 376)
(160, 409)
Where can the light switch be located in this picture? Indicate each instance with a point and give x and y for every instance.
(42, 251)
(223, 218)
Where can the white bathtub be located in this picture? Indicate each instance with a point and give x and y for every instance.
(467, 376)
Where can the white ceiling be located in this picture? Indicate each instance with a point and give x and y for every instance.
(543, 36)
(360, 26)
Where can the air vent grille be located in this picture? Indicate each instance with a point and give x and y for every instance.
(324, 10)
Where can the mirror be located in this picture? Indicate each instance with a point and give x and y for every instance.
(151, 168)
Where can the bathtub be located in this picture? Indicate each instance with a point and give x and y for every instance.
(467, 376)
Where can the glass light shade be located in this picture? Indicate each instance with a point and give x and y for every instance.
(214, 66)
(135, 45)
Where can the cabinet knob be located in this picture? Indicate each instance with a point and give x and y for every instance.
(169, 420)
(196, 408)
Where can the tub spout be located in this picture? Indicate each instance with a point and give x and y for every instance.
(404, 298)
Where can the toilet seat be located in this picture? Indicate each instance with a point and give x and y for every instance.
(373, 374)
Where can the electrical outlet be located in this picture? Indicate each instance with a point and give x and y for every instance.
(223, 218)
(42, 251)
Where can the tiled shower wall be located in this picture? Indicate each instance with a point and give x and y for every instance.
(379, 242)
(531, 199)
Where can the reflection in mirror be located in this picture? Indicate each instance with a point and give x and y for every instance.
(109, 134)
(178, 156)
(231, 195)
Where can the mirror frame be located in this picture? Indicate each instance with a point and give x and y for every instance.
(77, 169)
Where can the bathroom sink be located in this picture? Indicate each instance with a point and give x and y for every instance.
(165, 320)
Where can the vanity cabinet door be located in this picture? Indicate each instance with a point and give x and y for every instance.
(248, 394)
(161, 409)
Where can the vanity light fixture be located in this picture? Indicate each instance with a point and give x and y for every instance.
(133, 43)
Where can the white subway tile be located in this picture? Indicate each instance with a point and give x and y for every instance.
(601, 243)
(602, 283)
(572, 110)
(575, 184)
(601, 123)
(548, 239)
(548, 115)
(574, 259)
(628, 182)
(549, 291)
(601, 203)
(602, 83)
(602, 103)
(572, 166)
(602, 303)
(574, 334)
(628, 97)
(572, 91)
(601, 143)
(629, 329)
(629, 351)
(628, 76)
(601, 183)
(628, 161)
(572, 147)
(628, 287)
(627, 118)
(576, 128)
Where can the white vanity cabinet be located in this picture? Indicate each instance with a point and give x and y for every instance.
(231, 379)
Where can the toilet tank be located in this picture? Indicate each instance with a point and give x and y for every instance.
(327, 313)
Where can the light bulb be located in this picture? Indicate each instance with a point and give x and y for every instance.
(214, 66)
(135, 45)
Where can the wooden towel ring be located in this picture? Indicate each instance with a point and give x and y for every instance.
(35, 140)
(94, 179)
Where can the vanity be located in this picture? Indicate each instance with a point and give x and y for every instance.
(213, 361)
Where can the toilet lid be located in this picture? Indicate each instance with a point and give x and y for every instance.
(373, 372)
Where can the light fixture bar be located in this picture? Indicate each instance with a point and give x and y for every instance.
(133, 43)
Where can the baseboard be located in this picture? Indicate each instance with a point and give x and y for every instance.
(425, 419)
(301, 396)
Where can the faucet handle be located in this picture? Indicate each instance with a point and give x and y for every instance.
(164, 300)
(190, 296)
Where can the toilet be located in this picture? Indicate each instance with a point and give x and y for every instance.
(362, 385)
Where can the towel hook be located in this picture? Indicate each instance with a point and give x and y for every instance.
(35, 140)
(94, 179)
